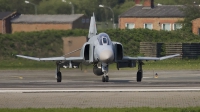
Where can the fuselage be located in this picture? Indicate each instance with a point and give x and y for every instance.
(103, 48)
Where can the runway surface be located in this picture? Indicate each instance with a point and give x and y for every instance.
(39, 89)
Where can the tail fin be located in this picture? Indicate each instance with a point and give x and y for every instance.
(93, 28)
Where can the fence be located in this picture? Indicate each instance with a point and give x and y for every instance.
(187, 50)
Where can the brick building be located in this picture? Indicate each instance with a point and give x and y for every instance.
(71, 44)
(29, 23)
(196, 26)
(5, 24)
(159, 17)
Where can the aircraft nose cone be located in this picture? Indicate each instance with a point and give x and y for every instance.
(106, 56)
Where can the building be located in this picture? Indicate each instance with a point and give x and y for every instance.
(148, 15)
(28, 23)
(71, 44)
(196, 26)
(5, 24)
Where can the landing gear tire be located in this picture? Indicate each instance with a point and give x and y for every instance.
(59, 77)
(107, 79)
(139, 76)
(103, 79)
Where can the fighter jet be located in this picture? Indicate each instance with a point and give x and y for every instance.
(100, 51)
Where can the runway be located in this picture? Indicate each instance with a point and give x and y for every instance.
(39, 89)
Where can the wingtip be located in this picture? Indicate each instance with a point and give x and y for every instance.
(177, 54)
(18, 55)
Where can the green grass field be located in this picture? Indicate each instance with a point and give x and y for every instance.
(142, 109)
(170, 64)
(18, 63)
(173, 64)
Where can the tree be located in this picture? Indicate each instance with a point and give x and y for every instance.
(54, 7)
(191, 12)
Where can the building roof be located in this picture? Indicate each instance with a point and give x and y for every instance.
(46, 18)
(157, 11)
(197, 19)
(5, 14)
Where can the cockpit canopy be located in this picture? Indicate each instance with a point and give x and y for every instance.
(103, 39)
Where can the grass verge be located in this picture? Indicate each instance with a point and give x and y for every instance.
(141, 109)
(19, 63)
(170, 64)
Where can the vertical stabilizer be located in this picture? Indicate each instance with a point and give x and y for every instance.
(93, 28)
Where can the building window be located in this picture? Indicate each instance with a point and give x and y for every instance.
(148, 26)
(166, 26)
(129, 25)
(87, 21)
(177, 26)
(83, 20)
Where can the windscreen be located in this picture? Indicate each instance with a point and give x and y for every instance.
(103, 38)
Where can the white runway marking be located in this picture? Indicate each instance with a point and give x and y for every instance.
(95, 90)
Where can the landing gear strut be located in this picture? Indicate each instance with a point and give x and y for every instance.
(140, 71)
(59, 74)
(105, 77)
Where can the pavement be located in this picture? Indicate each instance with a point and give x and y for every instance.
(82, 89)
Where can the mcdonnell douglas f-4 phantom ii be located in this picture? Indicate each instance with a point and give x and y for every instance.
(100, 51)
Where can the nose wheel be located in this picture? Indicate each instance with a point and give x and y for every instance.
(105, 78)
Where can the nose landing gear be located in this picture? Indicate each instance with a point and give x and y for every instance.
(105, 77)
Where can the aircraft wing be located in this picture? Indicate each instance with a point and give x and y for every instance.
(52, 58)
(150, 58)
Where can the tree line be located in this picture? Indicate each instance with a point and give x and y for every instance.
(86, 7)
(49, 43)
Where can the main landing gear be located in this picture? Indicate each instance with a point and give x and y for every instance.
(59, 74)
(105, 77)
(140, 71)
